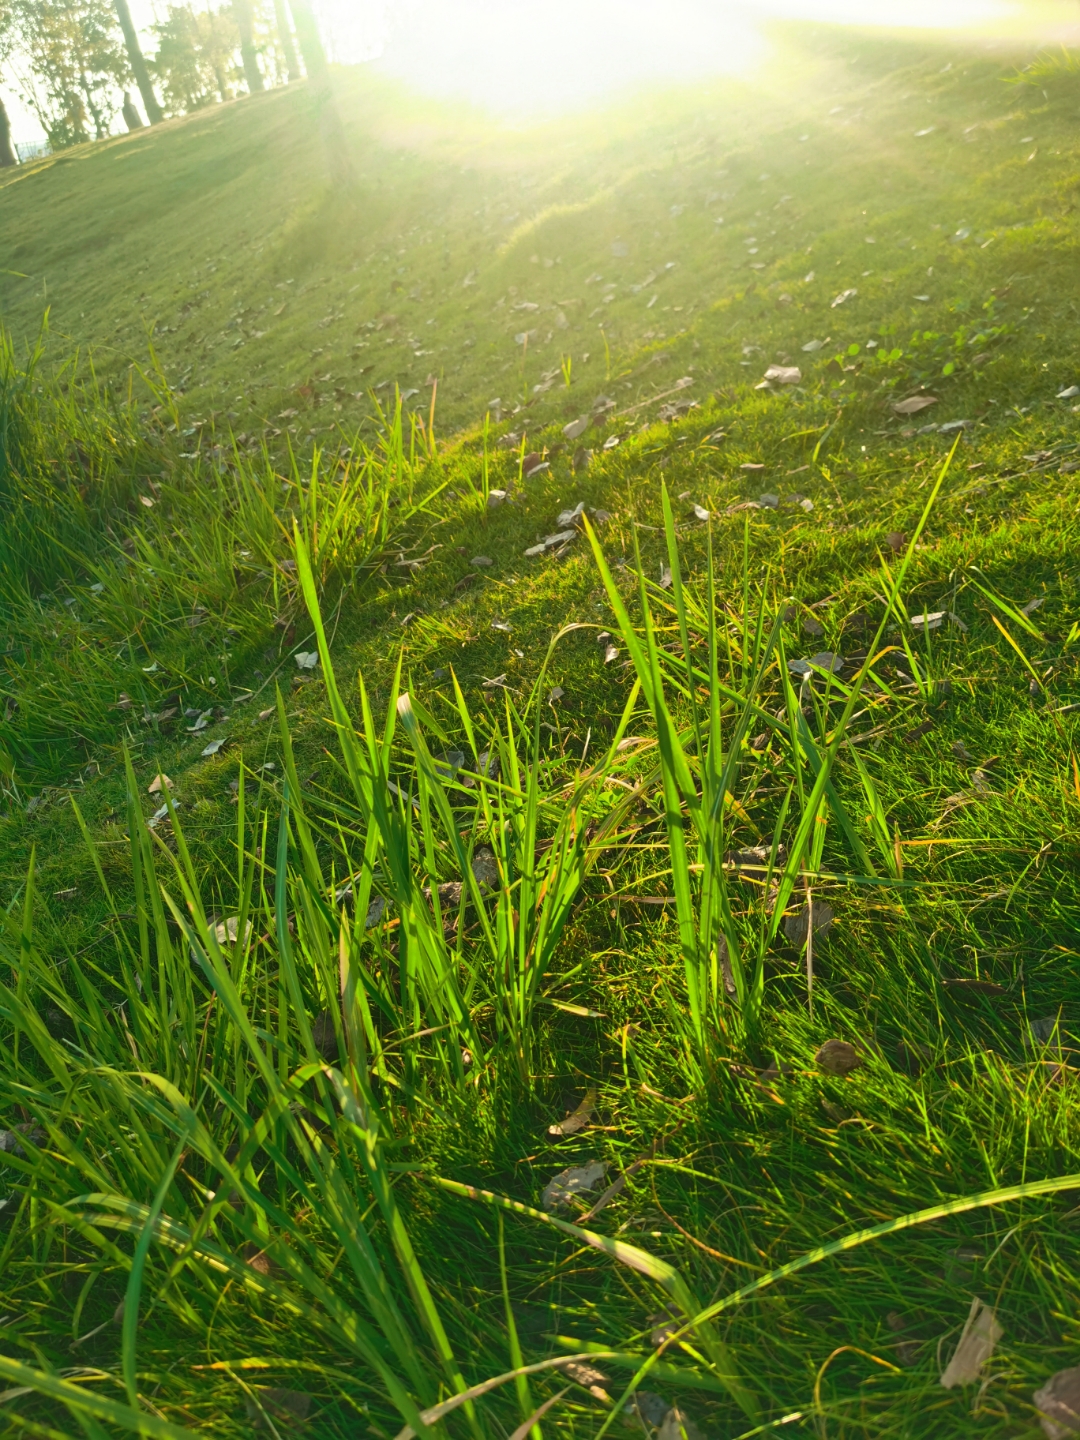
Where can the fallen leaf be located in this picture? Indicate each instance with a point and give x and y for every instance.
(271, 1403)
(566, 518)
(587, 1375)
(266, 714)
(486, 868)
(843, 297)
(977, 1341)
(677, 1426)
(1058, 1404)
(482, 561)
(701, 513)
(214, 746)
(611, 653)
(577, 428)
(974, 987)
(1068, 394)
(575, 1180)
(914, 404)
(229, 929)
(306, 659)
(768, 502)
(812, 626)
(578, 1119)
(837, 1057)
(795, 926)
(961, 752)
(828, 660)
(896, 540)
(159, 783)
(784, 374)
(812, 345)
(648, 1407)
(66, 894)
(665, 576)
(1029, 609)
(555, 693)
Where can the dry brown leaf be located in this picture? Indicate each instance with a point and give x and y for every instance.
(574, 1180)
(159, 783)
(229, 929)
(914, 404)
(270, 1405)
(896, 540)
(837, 1057)
(784, 374)
(578, 1119)
(485, 867)
(676, 1425)
(980, 1335)
(1058, 1404)
(974, 987)
(587, 1375)
(795, 926)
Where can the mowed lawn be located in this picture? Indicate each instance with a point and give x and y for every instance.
(362, 343)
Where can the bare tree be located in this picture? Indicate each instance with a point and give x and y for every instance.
(154, 112)
(244, 15)
(284, 29)
(7, 154)
(7, 40)
(307, 32)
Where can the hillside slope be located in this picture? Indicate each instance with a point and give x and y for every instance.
(841, 991)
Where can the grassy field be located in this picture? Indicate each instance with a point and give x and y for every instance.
(716, 844)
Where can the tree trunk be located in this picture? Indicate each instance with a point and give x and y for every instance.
(222, 85)
(154, 112)
(7, 154)
(245, 23)
(284, 29)
(307, 32)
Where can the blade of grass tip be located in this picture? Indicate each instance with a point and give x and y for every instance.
(78, 1398)
(1026, 662)
(1017, 616)
(531, 1426)
(447, 1407)
(134, 1285)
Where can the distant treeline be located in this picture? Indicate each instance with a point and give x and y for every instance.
(79, 65)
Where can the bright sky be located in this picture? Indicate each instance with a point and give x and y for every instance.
(519, 57)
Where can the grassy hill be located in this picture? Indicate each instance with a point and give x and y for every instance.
(773, 901)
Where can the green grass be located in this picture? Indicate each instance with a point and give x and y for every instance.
(310, 1154)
